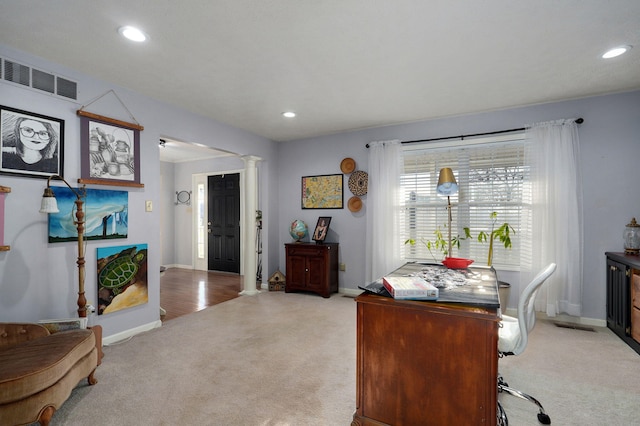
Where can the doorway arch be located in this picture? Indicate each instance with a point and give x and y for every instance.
(223, 162)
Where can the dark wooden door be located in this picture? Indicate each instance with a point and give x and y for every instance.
(224, 223)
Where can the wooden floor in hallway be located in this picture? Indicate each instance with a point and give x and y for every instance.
(183, 291)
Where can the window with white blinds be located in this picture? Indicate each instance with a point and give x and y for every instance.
(492, 177)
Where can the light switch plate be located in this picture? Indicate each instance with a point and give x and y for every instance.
(148, 206)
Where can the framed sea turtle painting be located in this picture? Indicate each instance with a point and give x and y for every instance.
(121, 277)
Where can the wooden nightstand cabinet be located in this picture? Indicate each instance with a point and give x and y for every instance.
(312, 267)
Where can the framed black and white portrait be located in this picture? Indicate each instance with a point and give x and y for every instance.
(32, 144)
(322, 228)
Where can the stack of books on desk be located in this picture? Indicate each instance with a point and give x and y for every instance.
(410, 288)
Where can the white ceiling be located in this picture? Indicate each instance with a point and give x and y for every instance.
(340, 64)
(173, 151)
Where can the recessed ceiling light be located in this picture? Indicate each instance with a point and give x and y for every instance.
(289, 114)
(617, 51)
(132, 33)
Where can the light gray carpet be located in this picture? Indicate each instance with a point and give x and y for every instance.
(270, 359)
(580, 377)
(279, 359)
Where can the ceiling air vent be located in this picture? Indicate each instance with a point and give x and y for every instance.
(16, 73)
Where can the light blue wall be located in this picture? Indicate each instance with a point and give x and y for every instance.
(167, 214)
(610, 149)
(39, 280)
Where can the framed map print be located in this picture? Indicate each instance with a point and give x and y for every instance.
(322, 192)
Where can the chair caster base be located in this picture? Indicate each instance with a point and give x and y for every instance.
(502, 416)
(544, 418)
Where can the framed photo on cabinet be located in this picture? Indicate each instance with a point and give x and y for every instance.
(322, 228)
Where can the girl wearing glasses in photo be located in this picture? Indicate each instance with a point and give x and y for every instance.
(32, 146)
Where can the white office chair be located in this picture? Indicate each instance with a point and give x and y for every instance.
(513, 336)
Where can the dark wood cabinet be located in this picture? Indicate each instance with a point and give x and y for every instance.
(425, 363)
(623, 297)
(312, 267)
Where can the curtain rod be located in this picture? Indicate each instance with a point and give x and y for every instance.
(578, 121)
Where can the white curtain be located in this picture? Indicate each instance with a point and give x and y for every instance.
(382, 203)
(555, 222)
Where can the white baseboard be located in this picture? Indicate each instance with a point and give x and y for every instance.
(177, 265)
(353, 292)
(592, 322)
(128, 334)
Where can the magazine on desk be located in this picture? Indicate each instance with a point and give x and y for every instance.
(410, 288)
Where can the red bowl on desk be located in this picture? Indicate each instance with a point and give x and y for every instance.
(456, 262)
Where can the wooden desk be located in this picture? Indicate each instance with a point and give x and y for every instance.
(426, 363)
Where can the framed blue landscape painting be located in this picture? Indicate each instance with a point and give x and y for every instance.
(106, 215)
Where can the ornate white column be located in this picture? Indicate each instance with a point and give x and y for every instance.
(249, 230)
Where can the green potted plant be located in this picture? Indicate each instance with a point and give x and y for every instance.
(501, 233)
(439, 244)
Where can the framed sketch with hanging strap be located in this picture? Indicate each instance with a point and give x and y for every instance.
(109, 149)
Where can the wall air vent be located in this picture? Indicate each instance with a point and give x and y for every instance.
(43, 81)
(37, 79)
(67, 88)
(17, 73)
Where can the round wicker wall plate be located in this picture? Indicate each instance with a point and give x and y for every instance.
(354, 204)
(358, 182)
(347, 165)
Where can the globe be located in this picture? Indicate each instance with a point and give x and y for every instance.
(298, 230)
